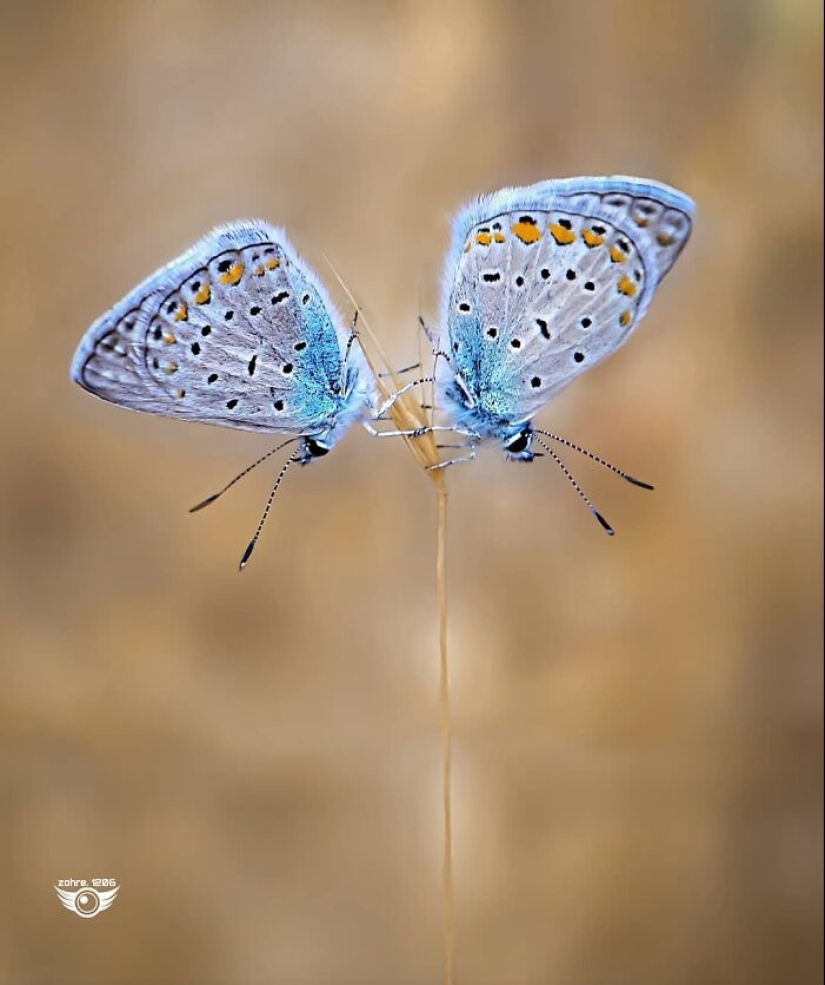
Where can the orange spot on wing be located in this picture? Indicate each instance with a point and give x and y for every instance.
(169, 338)
(625, 319)
(232, 276)
(183, 312)
(499, 237)
(665, 239)
(273, 264)
(641, 222)
(616, 255)
(627, 287)
(592, 239)
(171, 368)
(484, 239)
(204, 295)
(564, 237)
(527, 232)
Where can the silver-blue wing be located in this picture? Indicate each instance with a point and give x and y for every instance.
(237, 331)
(544, 282)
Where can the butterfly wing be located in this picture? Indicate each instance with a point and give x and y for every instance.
(237, 331)
(544, 282)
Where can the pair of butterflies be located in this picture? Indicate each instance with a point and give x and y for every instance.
(540, 284)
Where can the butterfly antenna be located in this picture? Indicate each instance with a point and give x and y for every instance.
(211, 499)
(577, 487)
(595, 458)
(247, 554)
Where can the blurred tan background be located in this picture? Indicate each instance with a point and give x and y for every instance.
(256, 758)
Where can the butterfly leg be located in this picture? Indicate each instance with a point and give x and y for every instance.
(428, 332)
(400, 372)
(351, 340)
(469, 457)
(404, 389)
(416, 432)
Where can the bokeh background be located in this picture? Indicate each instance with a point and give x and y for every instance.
(256, 759)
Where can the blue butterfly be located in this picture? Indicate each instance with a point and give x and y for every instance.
(238, 332)
(541, 284)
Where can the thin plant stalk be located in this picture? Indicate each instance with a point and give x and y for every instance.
(407, 414)
(446, 734)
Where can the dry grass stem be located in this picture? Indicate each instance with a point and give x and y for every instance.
(408, 415)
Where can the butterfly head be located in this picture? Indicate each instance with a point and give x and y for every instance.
(486, 416)
(518, 444)
(315, 446)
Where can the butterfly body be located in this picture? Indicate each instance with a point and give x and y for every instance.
(542, 283)
(236, 332)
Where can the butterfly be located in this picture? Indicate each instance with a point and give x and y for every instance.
(237, 331)
(541, 284)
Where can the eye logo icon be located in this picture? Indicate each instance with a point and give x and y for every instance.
(85, 901)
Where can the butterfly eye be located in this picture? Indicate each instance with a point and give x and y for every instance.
(316, 448)
(518, 443)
